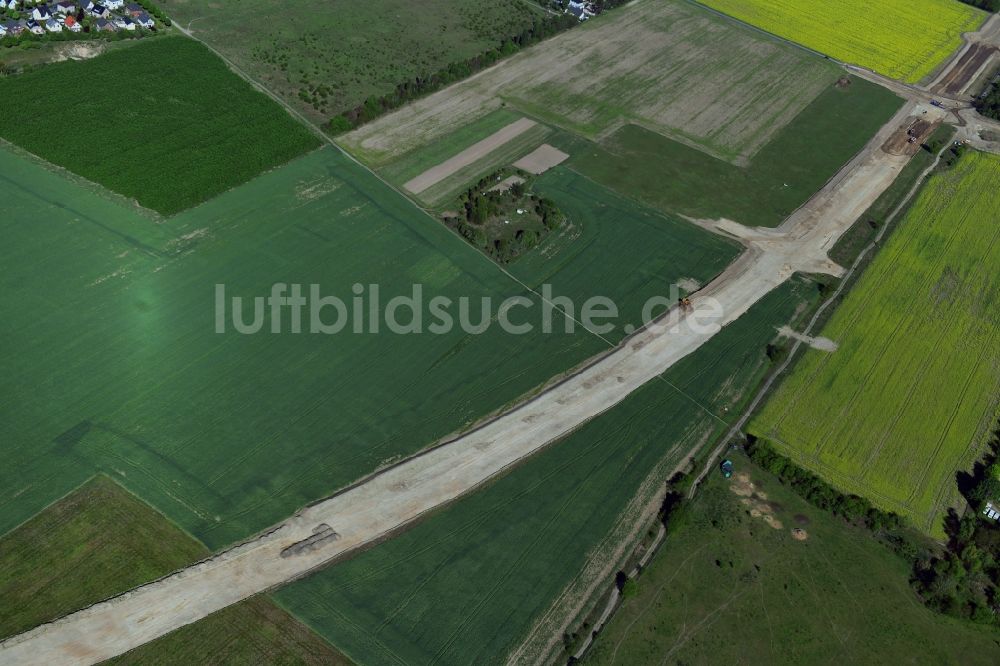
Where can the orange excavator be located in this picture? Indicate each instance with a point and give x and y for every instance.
(685, 303)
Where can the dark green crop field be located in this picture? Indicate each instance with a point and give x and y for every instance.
(113, 363)
(466, 585)
(165, 123)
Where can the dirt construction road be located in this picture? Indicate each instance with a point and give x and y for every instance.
(389, 500)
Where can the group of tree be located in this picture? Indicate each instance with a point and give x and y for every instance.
(988, 5)
(483, 207)
(422, 85)
(964, 579)
(989, 105)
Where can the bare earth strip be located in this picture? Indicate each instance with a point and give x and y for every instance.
(376, 507)
(541, 160)
(469, 156)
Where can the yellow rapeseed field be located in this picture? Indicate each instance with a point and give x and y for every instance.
(913, 391)
(903, 39)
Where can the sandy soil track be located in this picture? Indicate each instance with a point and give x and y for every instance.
(388, 501)
(469, 156)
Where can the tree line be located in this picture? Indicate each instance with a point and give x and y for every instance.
(419, 86)
(988, 5)
(962, 579)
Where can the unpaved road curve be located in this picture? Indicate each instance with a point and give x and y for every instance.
(392, 499)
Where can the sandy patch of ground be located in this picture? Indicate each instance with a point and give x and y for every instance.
(822, 344)
(754, 500)
(541, 159)
(469, 156)
(799, 534)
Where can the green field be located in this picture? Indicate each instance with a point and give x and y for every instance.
(96, 542)
(100, 541)
(114, 365)
(255, 631)
(350, 50)
(911, 395)
(667, 65)
(903, 39)
(465, 585)
(164, 123)
(781, 177)
(726, 588)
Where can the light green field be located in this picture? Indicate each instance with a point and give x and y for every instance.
(903, 39)
(113, 363)
(667, 65)
(466, 584)
(911, 394)
(728, 589)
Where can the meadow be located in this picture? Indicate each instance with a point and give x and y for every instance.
(912, 392)
(902, 39)
(326, 57)
(114, 364)
(100, 541)
(783, 175)
(165, 123)
(467, 584)
(728, 588)
(672, 67)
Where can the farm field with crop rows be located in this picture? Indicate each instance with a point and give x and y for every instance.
(114, 364)
(902, 39)
(911, 394)
(164, 123)
(465, 585)
(325, 57)
(729, 588)
(793, 166)
(669, 66)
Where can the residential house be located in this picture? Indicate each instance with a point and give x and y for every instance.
(991, 511)
(134, 9)
(65, 8)
(3, 4)
(12, 4)
(41, 13)
(15, 28)
(114, 4)
(104, 25)
(34, 28)
(72, 24)
(100, 11)
(3, 30)
(145, 21)
(53, 25)
(124, 23)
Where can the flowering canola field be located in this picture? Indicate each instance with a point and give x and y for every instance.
(911, 394)
(903, 39)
